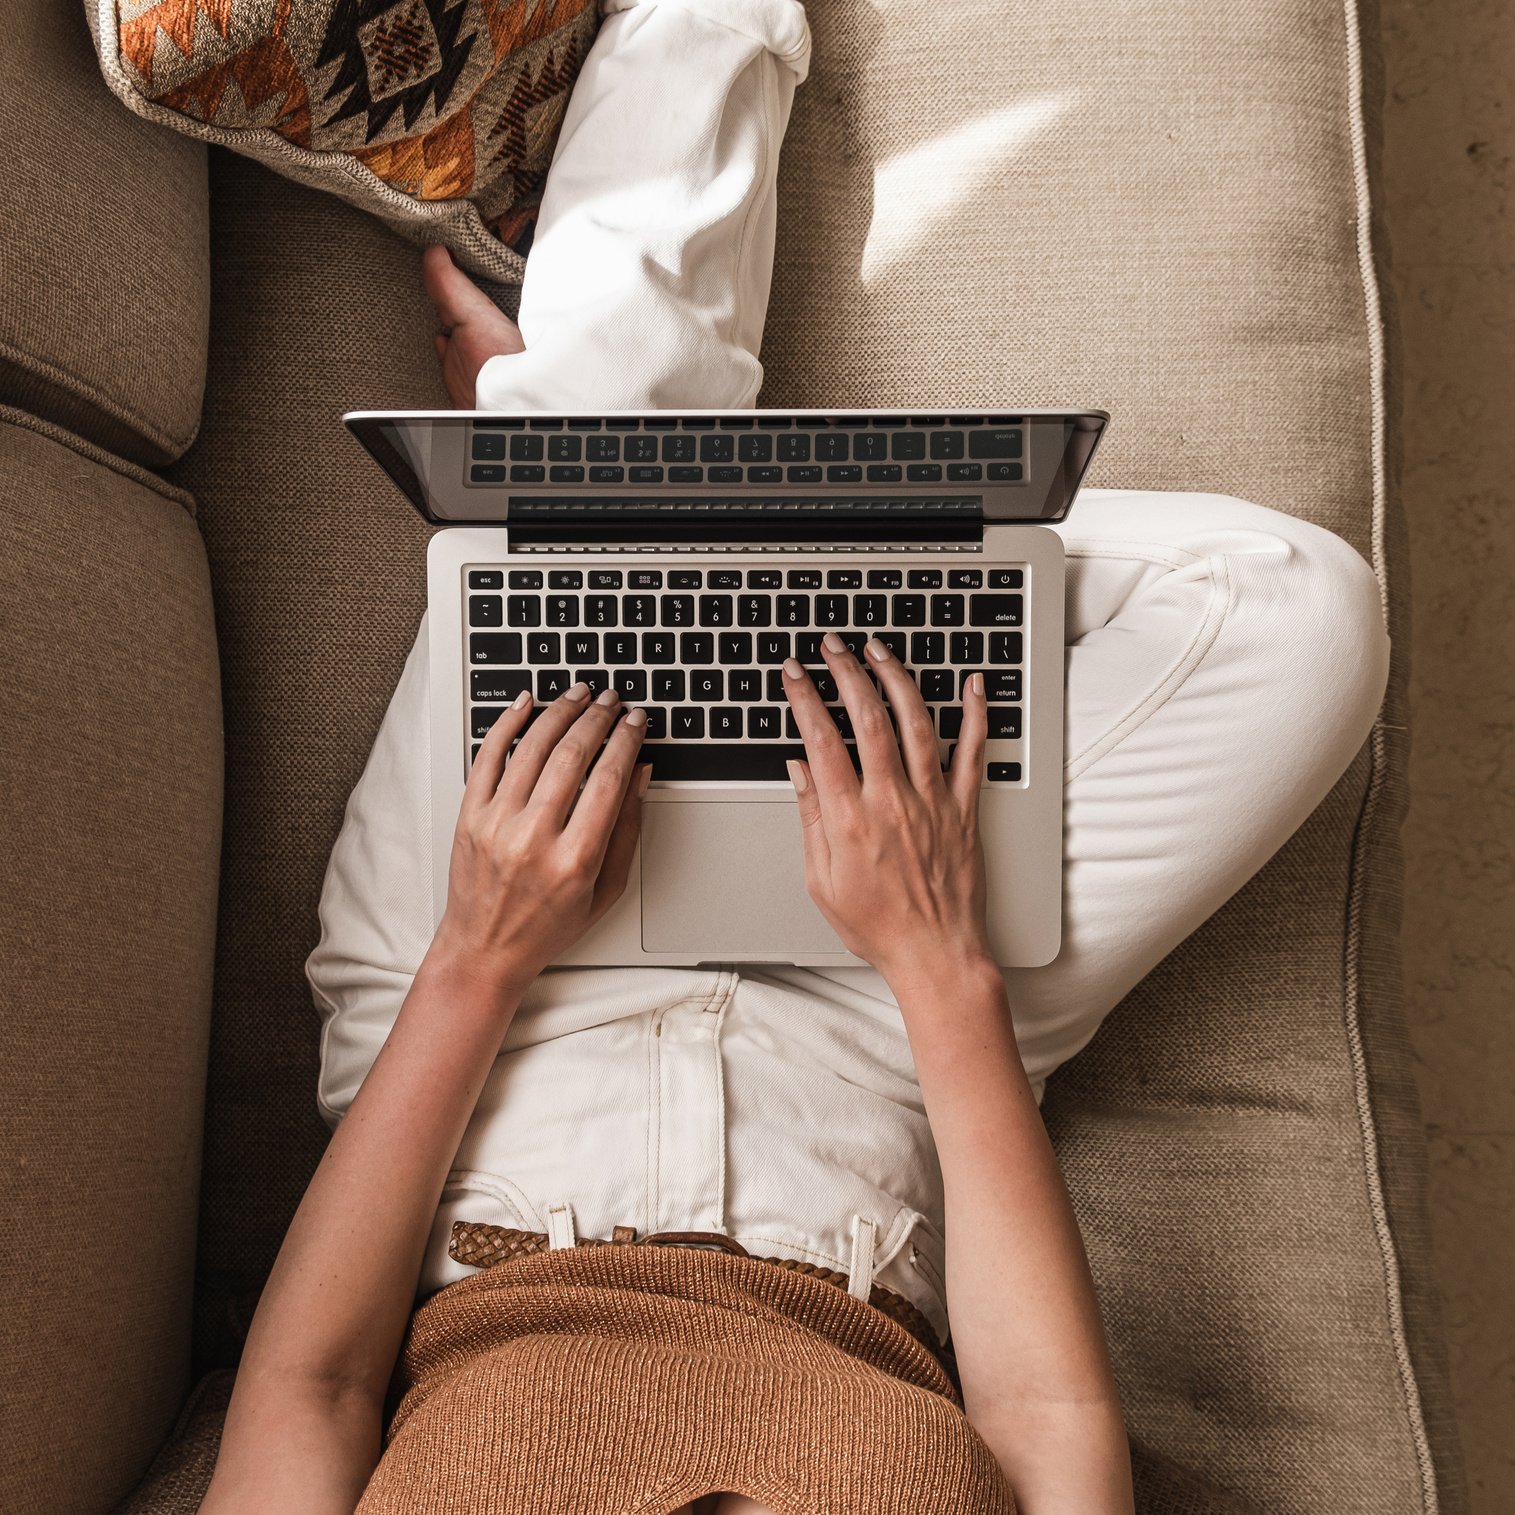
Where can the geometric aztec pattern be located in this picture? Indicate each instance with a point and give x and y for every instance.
(441, 99)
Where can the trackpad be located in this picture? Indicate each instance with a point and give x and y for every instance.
(726, 881)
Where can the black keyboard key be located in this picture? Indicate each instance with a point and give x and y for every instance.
(844, 578)
(621, 647)
(904, 445)
(807, 647)
(543, 647)
(605, 578)
(764, 474)
(668, 685)
(657, 724)
(527, 473)
(795, 448)
(526, 449)
(927, 647)
(525, 578)
(965, 578)
(685, 578)
(908, 610)
(924, 473)
(996, 609)
(678, 449)
(723, 578)
(639, 610)
(677, 609)
(621, 423)
(630, 684)
(687, 721)
(804, 578)
(562, 610)
(946, 444)
(925, 578)
(831, 447)
(494, 647)
(775, 679)
(584, 423)
(843, 722)
(726, 723)
(967, 647)
(854, 642)
(805, 473)
(772, 646)
(488, 449)
(885, 473)
(946, 610)
(686, 475)
(600, 609)
(1004, 473)
(597, 679)
(791, 727)
(697, 423)
(1004, 722)
(937, 685)
(717, 610)
(965, 473)
(885, 578)
(1004, 773)
(755, 448)
(764, 578)
(606, 473)
(745, 762)
(894, 641)
(523, 610)
(744, 684)
(643, 474)
(657, 647)
(1007, 578)
(825, 686)
(640, 449)
(498, 685)
(581, 647)
(565, 449)
(486, 610)
(707, 684)
(482, 717)
(753, 610)
(1002, 686)
(870, 610)
(764, 724)
(645, 578)
(949, 722)
(551, 682)
(831, 610)
(565, 578)
(870, 447)
(995, 442)
(844, 473)
(734, 647)
(793, 609)
(717, 449)
(696, 647)
(603, 449)
(1005, 647)
(486, 578)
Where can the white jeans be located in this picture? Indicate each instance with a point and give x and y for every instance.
(1224, 664)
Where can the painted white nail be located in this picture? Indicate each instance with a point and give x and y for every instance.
(522, 700)
(579, 691)
(793, 669)
(833, 643)
(606, 697)
(636, 716)
(877, 650)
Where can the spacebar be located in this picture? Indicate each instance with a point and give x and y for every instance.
(743, 761)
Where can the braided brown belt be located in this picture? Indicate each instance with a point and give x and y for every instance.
(482, 1246)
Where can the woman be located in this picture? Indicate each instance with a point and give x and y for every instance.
(869, 1139)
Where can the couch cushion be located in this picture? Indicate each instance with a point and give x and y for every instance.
(104, 281)
(110, 764)
(441, 120)
(1154, 208)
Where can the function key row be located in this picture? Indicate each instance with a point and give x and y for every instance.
(751, 473)
(730, 423)
(754, 447)
(755, 578)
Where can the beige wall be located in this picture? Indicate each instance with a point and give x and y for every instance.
(1450, 201)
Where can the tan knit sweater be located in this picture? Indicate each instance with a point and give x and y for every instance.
(618, 1379)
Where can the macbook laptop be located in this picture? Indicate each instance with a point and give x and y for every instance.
(680, 558)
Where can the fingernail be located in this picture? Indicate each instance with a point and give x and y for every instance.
(978, 683)
(579, 691)
(636, 716)
(644, 777)
(521, 700)
(606, 697)
(792, 669)
(797, 777)
(833, 643)
(877, 650)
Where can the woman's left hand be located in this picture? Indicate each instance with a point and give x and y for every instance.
(535, 862)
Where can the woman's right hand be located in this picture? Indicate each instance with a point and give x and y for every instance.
(892, 858)
(535, 862)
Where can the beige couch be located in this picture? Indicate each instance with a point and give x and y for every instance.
(1163, 209)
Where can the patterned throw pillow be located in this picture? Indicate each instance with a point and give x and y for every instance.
(440, 116)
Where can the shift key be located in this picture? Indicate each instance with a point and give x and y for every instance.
(995, 609)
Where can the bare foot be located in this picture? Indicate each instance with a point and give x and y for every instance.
(474, 328)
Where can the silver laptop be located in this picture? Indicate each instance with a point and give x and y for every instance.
(681, 557)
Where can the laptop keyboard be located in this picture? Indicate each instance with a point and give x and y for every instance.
(701, 647)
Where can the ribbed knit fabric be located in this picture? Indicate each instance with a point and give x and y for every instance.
(630, 1380)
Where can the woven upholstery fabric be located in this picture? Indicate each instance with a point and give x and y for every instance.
(438, 115)
(104, 276)
(1153, 208)
(110, 765)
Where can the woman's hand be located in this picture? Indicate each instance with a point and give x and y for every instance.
(535, 862)
(892, 858)
(473, 328)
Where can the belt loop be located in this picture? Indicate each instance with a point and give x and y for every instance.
(560, 1227)
(860, 1268)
